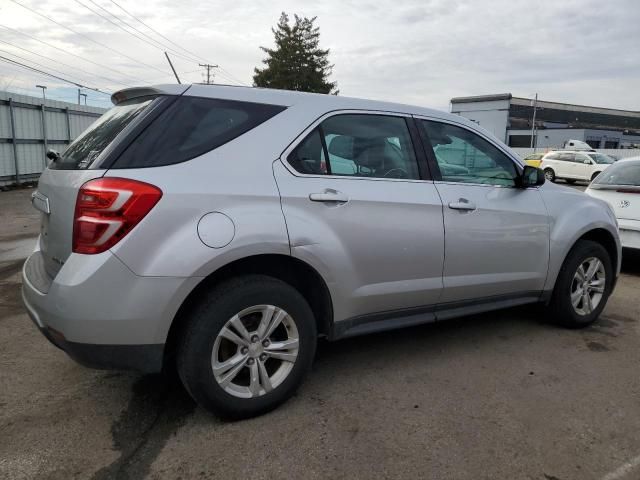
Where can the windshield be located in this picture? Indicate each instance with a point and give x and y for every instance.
(86, 148)
(622, 173)
(600, 158)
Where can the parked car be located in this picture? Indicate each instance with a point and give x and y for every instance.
(574, 165)
(207, 228)
(619, 185)
(534, 159)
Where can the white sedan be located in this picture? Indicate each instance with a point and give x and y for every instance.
(619, 185)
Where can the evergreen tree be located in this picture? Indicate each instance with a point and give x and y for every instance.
(297, 62)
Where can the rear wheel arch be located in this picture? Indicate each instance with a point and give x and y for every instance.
(300, 275)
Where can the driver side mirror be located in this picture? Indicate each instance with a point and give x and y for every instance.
(531, 177)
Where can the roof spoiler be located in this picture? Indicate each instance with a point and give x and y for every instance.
(135, 92)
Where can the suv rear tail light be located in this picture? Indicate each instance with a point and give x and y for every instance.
(107, 209)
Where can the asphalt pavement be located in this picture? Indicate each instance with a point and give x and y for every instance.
(495, 396)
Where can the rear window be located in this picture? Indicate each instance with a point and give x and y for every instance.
(85, 149)
(190, 127)
(622, 173)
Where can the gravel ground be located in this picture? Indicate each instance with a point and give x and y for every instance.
(494, 396)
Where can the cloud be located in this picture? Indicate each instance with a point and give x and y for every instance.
(422, 52)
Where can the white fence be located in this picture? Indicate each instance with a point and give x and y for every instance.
(618, 153)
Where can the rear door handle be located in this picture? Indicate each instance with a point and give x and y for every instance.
(462, 204)
(329, 196)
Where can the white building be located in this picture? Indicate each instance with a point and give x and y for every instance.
(511, 119)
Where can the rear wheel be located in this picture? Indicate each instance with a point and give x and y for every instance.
(247, 346)
(593, 177)
(549, 175)
(583, 285)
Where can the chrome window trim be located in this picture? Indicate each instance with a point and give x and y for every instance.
(303, 135)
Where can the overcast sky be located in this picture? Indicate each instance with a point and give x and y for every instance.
(421, 52)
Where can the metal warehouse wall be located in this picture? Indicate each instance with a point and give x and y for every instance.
(29, 126)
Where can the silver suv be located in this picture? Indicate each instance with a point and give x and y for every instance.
(223, 230)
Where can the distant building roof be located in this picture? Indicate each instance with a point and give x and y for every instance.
(482, 98)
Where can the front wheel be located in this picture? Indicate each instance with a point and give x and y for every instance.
(549, 175)
(247, 346)
(583, 285)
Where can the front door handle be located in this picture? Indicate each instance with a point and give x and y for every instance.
(329, 196)
(462, 204)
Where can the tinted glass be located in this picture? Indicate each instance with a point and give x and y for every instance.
(567, 157)
(552, 156)
(370, 146)
(465, 157)
(84, 149)
(308, 157)
(192, 126)
(601, 159)
(622, 173)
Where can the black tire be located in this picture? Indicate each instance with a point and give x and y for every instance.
(209, 316)
(549, 174)
(593, 177)
(561, 309)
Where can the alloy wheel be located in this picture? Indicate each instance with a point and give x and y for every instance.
(587, 286)
(255, 351)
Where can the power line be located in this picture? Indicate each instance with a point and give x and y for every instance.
(86, 37)
(155, 43)
(156, 32)
(226, 73)
(137, 80)
(8, 60)
(160, 45)
(65, 64)
(36, 63)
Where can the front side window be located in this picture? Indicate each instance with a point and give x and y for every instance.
(358, 145)
(465, 157)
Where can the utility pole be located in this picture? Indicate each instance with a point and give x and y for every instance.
(533, 123)
(43, 87)
(208, 67)
(85, 97)
(78, 96)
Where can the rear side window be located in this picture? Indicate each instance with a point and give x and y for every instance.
(86, 148)
(358, 145)
(192, 126)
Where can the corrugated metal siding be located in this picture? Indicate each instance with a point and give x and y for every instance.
(79, 124)
(28, 125)
(56, 125)
(6, 160)
(5, 122)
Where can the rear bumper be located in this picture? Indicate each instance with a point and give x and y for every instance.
(102, 314)
(141, 358)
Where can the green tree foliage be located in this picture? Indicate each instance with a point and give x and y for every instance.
(297, 62)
